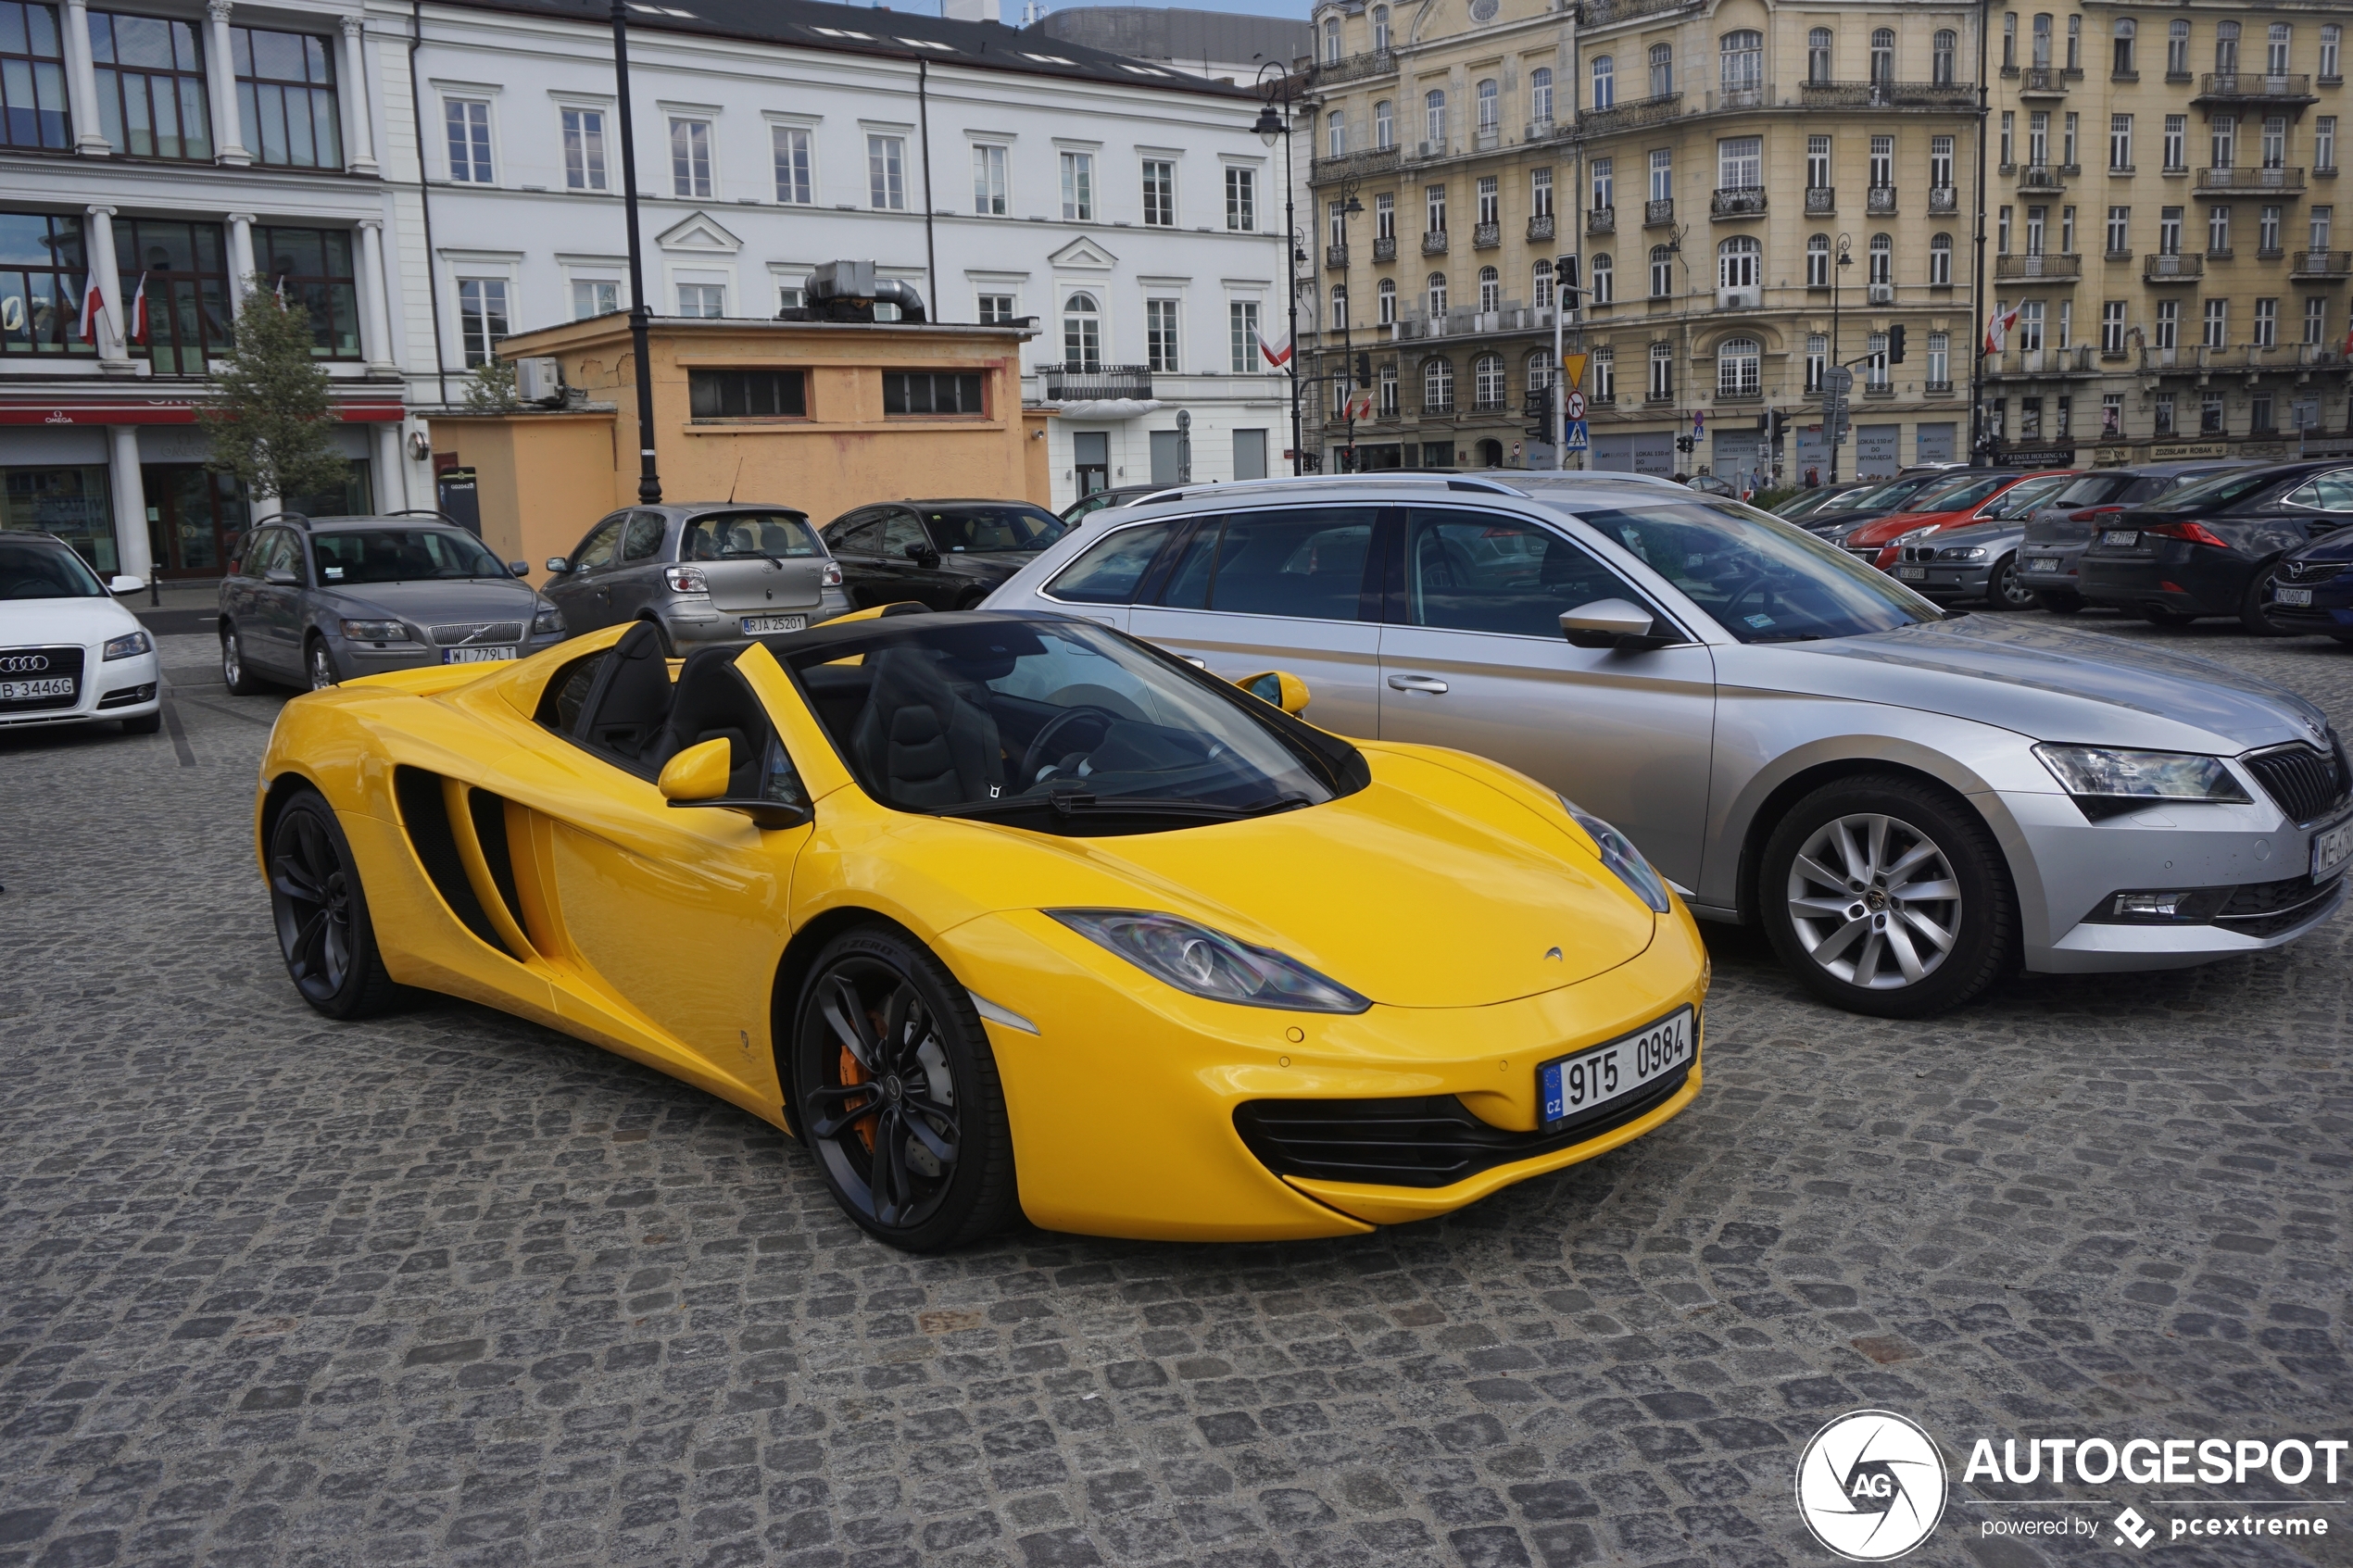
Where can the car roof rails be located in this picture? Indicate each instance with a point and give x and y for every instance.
(298, 519)
(424, 511)
(1306, 480)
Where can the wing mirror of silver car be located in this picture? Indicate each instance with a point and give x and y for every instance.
(556, 566)
(279, 577)
(1610, 623)
(124, 584)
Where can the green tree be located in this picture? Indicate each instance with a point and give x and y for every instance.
(492, 388)
(272, 421)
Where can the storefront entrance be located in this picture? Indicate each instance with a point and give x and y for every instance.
(194, 518)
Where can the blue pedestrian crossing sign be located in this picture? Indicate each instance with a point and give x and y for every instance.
(1576, 442)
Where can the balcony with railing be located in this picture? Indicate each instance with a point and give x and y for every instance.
(1433, 242)
(1486, 236)
(1079, 383)
(2039, 177)
(1746, 201)
(1547, 130)
(1605, 13)
(1887, 95)
(1385, 248)
(1336, 255)
(2319, 264)
(1658, 214)
(2053, 266)
(1750, 96)
(1880, 200)
(1821, 200)
(1943, 201)
(1442, 410)
(2249, 181)
(2173, 269)
(1352, 166)
(1355, 68)
(2039, 82)
(1601, 220)
(1631, 115)
(2240, 86)
(1539, 226)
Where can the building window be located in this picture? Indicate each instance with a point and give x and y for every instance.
(1491, 289)
(1940, 57)
(2010, 41)
(1487, 382)
(1882, 168)
(886, 173)
(1662, 174)
(1540, 370)
(2161, 415)
(1741, 56)
(1817, 56)
(1386, 296)
(594, 296)
(1604, 81)
(1940, 359)
(1159, 330)
(33, 80)
(286, 98)
(482, 317)
(1540, 192)
(2276, 50)
(2030, 325)
(2218, 231)
(2316, 319)
(1602, 285)
(151, 86)
(1662, 271)
(2119, 140)
(1818, 261)
(1883, 259)
(2324, 142)
(1603, 369)
(1882, 56)
(2209, 414)
(1380, 30)
(1384, 125)
(2224, 143)
(2226, 48)
(1082, 333)
(2176, 152)
(1736, 262)
(1662, 69)
(2122, 63)
(2120, 229)
(42, 269)
(794, 184)
(1437, 386)
(2177, 48)
(1388, 392)
(989, 179)
(1336, 133)
(1160, 193)
(997, 308)
(584, 134)
(1539, 283)
(185, 266)
(748, 395)
(2041, 41)
(2111, 415)
(928, 394)
(1434, 208)
(1489, 107)
(2259, 414)
(2267, 231)
(1539, 95)
(2002, 230)
(2267, 323)
(1241, 336)
(2318, 235)
(2169, 324)
(2168, 230)
(1241, 200)
(1434, 291)
(2217, 325)
(1818, 353)
(1737, 363)
(2010, 137)
(1434, 118)
(468, 123)
(1078, 187)
(1875, 360)
(1817, 163)
(1662, 386)
(312, 267)
(691, 158)
(1385, 216)
(1740, 162)
(2075, 44)
(1604, 172)
(1940, 261)
(704, 301)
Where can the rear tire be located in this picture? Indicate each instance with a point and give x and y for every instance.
(144, 724)
(2005, 589)
(320, 914)
(2252, 613)
(2060, 604)
(1886, 895)
(235, 674)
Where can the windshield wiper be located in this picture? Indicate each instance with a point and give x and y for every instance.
(776, 562)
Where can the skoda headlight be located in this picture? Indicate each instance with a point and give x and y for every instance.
(375, 631)
(549, 622)
(2107, 781)
(1620, 855)
(129, 646)
(1208, 963)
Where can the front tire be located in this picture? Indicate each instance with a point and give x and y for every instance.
(894, 1090)
(1887, 895)
(321, 914)
(2253, 615)
(321, 665)
(2005, 589)
(235, 674)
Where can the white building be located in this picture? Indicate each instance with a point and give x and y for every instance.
(1126, 204)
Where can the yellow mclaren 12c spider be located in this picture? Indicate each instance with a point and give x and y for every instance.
(996, 911)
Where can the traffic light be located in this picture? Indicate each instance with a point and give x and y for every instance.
(1896, 344)
(1682, 444)
(1769, 425)
(1364, 368)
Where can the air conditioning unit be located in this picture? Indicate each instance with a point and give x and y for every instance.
(1429, 149)
(539, 380)
(1738, 299)
(1883, 293)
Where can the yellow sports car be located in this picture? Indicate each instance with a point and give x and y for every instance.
(992, 910)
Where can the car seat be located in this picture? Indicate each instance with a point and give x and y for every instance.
(918, 741)
(712, 702)
(627, 706)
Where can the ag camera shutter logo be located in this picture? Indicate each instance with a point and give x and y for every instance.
(1871, 1485)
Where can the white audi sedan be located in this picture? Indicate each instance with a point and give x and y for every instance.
(69, 654)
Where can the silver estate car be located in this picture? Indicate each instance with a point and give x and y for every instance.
(707, 572)
(1909, 801)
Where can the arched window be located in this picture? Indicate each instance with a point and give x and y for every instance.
(2075, 44)
(1388, 297)
(1883, 259)
(1336, 133)
(1384, 125)
(1436, 290)
(1539, 286)
(2041, 58)
(1661, 387)
(1662, 69)
(1662, 271)
(1491, 289)
(1604, 81)
(1818, 261)
(1602, 287)
(1434, 116)
(1331, 40)
(1082, 332)
(1540, 369)
(1940, 261)
(1539, 95)
(1817, 55)
(1601, 370)
(2177, 48)
(2226, 48)
(1491, 106)
(1738, 361)
(1340, 307)
(1883, 55)
(1736, 261)
(1380, 30)
(1742, 56)
(2127, 30)
(1940, 57)
(1487, 381)
(1437, 386)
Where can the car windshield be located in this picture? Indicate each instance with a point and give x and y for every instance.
(1954, 494)
(1057, 725)
(35, 569)
(2215, 493)
(2092, 489)
(991, 530)
(346, 556)
(2023, 498)
(741, 535)
(1763, 580)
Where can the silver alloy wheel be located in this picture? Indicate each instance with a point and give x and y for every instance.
(229, 660)
(1875, 901)
(323, 668)
(2010, 589)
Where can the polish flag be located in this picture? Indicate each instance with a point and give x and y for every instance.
(138, 312)
(92, 302)
(1276, 357)
(1997, 329)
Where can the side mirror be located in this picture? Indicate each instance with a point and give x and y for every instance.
(519, 568)
(279, 577)
(123, 583)
(923, 555)
(1609, 623)
(696, 777)
(556, 566)
(1280, 687)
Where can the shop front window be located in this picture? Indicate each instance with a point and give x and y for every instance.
(69, 502)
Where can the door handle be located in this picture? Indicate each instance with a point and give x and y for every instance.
(1417, 683)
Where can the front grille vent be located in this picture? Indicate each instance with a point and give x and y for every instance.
(2304, 780)
(474, 633)
(2311, 571)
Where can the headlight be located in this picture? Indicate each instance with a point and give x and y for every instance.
(1207, 963)
(1962, 552)
(2107, 782)
(129, 646)
(687, 578)
(833, 574)
(375, 631)
(549, 622)
(1915, 534)
(1620, 855)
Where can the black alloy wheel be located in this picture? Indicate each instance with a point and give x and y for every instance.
(321, 915)
(2005, 589)
(2254, 614)
(322, 666)
(894, 1090)
(235, 674)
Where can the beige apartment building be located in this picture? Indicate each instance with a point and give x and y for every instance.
(2163, 213)
(1750, 192)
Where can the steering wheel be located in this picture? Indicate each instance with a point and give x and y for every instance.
(1742, 589)
(1040, 750)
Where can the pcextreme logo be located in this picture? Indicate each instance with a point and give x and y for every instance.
(1871, 1485)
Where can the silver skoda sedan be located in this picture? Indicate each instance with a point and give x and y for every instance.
(1911, 802)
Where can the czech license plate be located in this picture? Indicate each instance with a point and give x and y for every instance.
(1589, 1081)
(2120, 536)
(2294, 595)
(34, 691)
(485, 655)
(1911, 573)
(2041, 563)
(2331, 847)
(756, 626)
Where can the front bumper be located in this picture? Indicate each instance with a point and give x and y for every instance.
(2330, 613)
(111, 688)
(375, 659)
(1946, 579)
(2172, 580)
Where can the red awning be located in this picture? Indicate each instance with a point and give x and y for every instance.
(160, 411)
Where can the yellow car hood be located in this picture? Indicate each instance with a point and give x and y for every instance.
(1426, 889)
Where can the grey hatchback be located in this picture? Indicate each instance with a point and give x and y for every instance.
(701, 572)
(317, 600)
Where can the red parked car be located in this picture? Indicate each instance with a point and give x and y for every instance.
(1974, 496)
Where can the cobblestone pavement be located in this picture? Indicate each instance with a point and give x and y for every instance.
(446, 1288)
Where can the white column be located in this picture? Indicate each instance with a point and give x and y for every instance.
(375, 300)
(392, 472)
(351, 93)
(220, 81)
(98, 239)
(82, 84)
(132, 547)
(241, 265)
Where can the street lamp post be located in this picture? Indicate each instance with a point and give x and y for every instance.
(1349, 207)
(1272, 124)
(1838, 278)
(648, 472)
